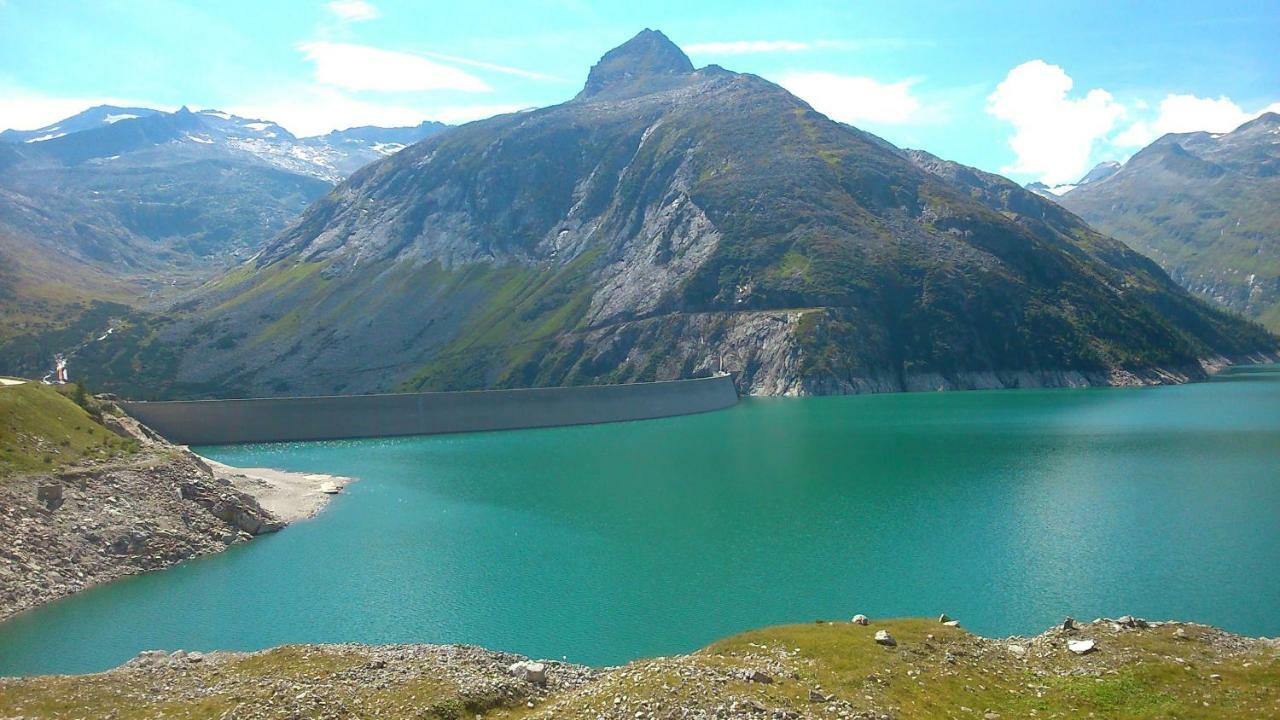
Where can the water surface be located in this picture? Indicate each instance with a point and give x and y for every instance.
(1007, 510)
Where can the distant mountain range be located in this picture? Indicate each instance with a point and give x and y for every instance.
(1206, 207)
(1100, 172)
(107, 131)
(117, 202)
(669, 222)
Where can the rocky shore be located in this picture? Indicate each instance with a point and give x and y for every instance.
(88, 523)
(886, 670)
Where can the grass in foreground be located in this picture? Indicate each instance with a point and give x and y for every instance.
(818, 670)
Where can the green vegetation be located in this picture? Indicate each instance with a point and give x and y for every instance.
(43, 429)
(1203, 208)
(820, 669)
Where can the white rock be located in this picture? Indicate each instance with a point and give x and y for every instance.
(1080, 647)
(861, 620)
(1018, 650)
(534, 672)
(884, 638)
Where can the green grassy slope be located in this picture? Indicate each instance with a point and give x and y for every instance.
(819, 670)
(1206, 208)
(42, 429)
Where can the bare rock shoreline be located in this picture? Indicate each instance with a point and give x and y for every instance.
(69, 530)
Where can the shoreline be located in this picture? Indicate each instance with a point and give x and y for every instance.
(289, 496)
(861, 668)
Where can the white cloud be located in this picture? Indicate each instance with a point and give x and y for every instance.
(853, 99)
(1054, 134)
(504, 69)
(360, 67)
(746, 47)
(25, 110)
(1189, 113)
(307, 110)
(353, 10)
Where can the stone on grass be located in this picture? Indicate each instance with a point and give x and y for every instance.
(944, 618)
(1080, 647)
(1018, 650)
(1069, 624)
(757, 676)
(952, 623)
(884, 638)
(860, 620)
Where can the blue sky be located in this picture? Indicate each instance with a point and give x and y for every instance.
(1035, 90)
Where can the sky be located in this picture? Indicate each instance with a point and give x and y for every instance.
(1032, 90)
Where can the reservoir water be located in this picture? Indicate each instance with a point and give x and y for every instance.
(1006, 510)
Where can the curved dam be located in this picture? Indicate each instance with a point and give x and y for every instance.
(214, 422)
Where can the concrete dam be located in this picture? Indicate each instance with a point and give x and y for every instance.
(214, 422)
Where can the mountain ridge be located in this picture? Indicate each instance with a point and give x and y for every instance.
(1206, 207)
(671, 223)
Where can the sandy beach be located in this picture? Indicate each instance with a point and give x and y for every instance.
(290, 496)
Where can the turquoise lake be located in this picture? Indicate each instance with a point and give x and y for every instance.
(1006, 510)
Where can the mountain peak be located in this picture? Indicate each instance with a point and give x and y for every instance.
(646, 63)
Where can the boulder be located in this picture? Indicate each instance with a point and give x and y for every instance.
(944, 618)
(818, 697)
(952, 623)
(50, 494)
(531, 672)
(1069, 624)
(1080, 647)
(114, 424)
(884, 638)
(757, 676)
(860, 620)
(1018, 650)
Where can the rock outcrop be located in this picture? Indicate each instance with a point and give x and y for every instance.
(83, 526)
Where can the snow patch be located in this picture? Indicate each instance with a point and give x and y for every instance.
(216, 113)
(115, 118)
(42, 138)
(202, 139)
(387, 148)
(259, 126)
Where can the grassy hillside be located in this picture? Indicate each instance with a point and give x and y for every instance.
(1204, 207)
(817, 670)
(42, 429)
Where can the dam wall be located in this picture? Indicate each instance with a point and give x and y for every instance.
(212, 422)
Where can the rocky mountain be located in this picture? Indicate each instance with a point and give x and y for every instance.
(667, 222)
(1100, 172)
(353, 148)
(94, 117)
(1206, 207)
